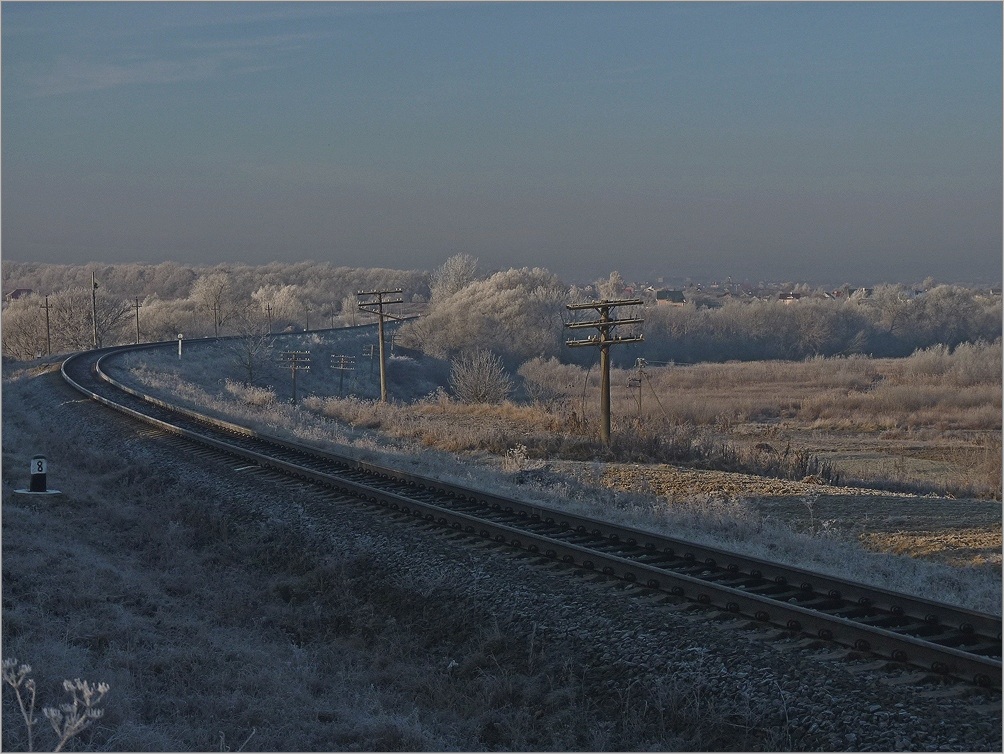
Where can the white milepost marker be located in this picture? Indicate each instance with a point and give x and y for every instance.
(38, 488)
(39, 468)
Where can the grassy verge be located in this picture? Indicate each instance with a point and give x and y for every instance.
(222, 620)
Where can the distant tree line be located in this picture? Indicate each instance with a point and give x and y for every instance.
(515, 314)
(171, 298)
(889, 323)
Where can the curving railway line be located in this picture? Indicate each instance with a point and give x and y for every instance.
(902, 629)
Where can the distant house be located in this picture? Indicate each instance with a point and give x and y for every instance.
(17, 293)
(670, 298)
(789, 298)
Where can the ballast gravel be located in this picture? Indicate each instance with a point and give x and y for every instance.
(818, 696)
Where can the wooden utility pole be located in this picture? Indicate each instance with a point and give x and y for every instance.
(343, 364)
(379, 303)
(268, 313)
(637, 382)
(137, 319)
(603, 340)
(297, 361)
(48, 339)
(94, 308)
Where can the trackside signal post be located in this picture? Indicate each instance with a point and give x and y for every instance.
(603, 339)
(375, 306)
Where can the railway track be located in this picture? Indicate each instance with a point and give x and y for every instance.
(927, 634)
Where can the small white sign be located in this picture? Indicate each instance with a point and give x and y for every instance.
(38, 466)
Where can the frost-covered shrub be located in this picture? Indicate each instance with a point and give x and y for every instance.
(251, 395)
(480, 377)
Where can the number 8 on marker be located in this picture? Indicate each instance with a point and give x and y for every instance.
(38, 466)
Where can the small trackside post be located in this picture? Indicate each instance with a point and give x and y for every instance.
(39, 469)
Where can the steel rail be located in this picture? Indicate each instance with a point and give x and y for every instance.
(898, 627)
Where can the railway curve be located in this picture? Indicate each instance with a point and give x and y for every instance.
(899, 628)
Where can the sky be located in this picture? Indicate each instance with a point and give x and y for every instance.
(810, 142)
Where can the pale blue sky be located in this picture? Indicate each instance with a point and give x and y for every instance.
(827, 142)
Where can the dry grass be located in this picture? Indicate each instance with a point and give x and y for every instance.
(222, 621)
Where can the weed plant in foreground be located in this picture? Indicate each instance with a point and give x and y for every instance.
(68, 719)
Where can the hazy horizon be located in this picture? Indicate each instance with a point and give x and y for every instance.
(812, 142)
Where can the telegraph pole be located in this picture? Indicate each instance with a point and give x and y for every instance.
(94, 308)
(48, 340)
(640, 365)
(297, 361)
(603, 340)
(268, 313)
(343, 364)
(137, 320)
(379, 302)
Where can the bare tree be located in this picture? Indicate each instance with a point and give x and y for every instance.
(253, 343)
(480, 377)
(74, 322)
(214, 292)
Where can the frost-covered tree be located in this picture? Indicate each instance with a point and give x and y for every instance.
(516, 313)
(454, 274)
(74, 321)
(23, 329)
(611, 288)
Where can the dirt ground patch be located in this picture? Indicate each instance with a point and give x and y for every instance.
(952, 531)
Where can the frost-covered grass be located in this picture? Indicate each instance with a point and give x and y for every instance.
(221, 620)
(733, 524)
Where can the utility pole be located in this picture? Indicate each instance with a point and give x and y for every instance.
(306, 321)
(379, 303)
(137, 320)
(603, 340)
(216, 319)
(297, 361)
(343, 364)
(48, 340)
(368, 350)
(268, 313)
(94, 308)
(640, 365)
